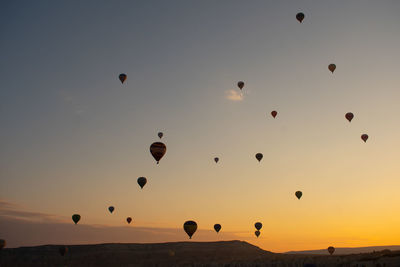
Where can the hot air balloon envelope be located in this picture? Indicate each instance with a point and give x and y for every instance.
(298, 194)
(332, 67)
(274, 113)
(258, 226)
(190, 228)
(111, 209)
(122, 77)
(300, 17)
(142, 181)
(129, 219)
(158, 150)
(76, 218)
(364, 137)
(160, 134)
(216, 160)
(259, 156)
(331, 250)
(240, 84)
(257, 233)
(217, 227)
(349, 116)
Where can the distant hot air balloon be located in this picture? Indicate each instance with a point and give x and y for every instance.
(240, 84)
(63, 250)
(217, 227)
(274, 113)
(216, 160)
(364, 137)
(122, 77)
(298, 194)
(349, 116)
(76, 218)
(257, 233)
(258, 226)
(300, 17)
(332, 67)
(331, 250)
(142, 181)
(158, 150)
(2, 244)
(129, 219)
(160, 134)
(111, 209)
(190, 228)
(259, 156)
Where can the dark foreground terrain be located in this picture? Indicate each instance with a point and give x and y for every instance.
(229, 253)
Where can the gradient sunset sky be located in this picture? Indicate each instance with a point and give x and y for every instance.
(73, 139)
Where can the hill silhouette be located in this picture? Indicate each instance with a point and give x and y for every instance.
(223, 253)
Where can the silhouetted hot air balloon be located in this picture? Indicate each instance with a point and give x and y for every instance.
(259, 156)
(331, 250)
(258, 226)
(364, 137)
(217, 227)
(216, 160)
(2, 243)
(122, 77)
(160, 134)
(76, 218)
(111, 209)
(300, 17)
(142, 181)
(298, 194)
(158, 150)
(349, 116)
(190, 228)
(257, 233)
(129, 219)
(240, 84)
(332, 67)
(63, 250)
(274, 113)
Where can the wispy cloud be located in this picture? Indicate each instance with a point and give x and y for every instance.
(234, 95)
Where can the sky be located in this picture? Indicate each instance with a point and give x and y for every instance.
(74, 139)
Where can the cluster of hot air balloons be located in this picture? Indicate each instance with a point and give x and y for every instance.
(158, 150)
(258, 227)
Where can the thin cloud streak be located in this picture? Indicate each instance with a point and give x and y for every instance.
(234, 95)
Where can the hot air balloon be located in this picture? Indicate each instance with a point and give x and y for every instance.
(190, 228)
(217, 227)
(111, 209)
(331, 250)
(257, 233)
(2, 244)
(158, 150)
(300, 17)
(216, 160)
(332, 67)
(258, 226)
(298, 194)
(129, 219)
(160, 134)
(349, 116)
(63, 250)
(142, 181)
(76, 218)
(122, 77)
(259, 156)
(364, 137)
(240, 84)
(274, 113)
